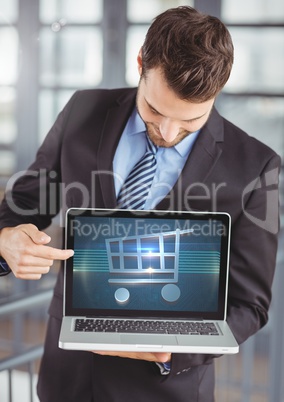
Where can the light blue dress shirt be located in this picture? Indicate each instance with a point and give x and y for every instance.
(170, 161)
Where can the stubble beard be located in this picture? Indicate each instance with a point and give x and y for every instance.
(156, 138)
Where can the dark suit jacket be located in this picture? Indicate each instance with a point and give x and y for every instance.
(226, 171)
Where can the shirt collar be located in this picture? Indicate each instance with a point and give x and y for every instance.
(136, 125)
(184, 147)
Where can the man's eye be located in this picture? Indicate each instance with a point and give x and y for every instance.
(154, 111)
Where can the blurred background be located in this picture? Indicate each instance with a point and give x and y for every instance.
(50, 48)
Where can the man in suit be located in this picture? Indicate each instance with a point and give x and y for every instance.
(203, 163)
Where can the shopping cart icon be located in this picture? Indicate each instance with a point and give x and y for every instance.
(146, 259)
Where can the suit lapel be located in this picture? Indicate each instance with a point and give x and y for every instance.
(202, 159)
(115, 122)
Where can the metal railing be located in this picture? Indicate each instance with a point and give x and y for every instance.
(31, 355)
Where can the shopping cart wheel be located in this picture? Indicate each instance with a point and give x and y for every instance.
(122, 295)
(170, 293)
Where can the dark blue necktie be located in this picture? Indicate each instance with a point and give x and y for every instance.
(135, 189)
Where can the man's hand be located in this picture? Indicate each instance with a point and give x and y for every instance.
(24, 248)
(151, 357)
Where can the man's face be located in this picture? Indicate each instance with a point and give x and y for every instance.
(168, 119)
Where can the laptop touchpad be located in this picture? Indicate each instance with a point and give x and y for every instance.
(148, 339)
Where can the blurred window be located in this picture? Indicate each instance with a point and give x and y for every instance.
(70, 54)
(85, 11)
(8, 11)
(9, 56)
(252, 11)
(144, 11)
(259, 63)
(59, 67)
(261, 116)
(139, 15)
(254, 95)
(8, 129)
(134, 41)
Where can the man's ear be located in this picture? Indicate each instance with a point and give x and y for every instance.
(139, 61)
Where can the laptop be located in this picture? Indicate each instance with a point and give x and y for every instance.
(154, 281)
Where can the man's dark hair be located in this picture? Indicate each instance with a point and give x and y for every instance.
(194, 51)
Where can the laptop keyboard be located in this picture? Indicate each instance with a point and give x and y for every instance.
(144, 326)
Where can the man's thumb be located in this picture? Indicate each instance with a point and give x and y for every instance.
(36, 235)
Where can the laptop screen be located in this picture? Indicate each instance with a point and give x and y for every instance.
(146, 263)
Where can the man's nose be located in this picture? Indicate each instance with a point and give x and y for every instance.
(168, 129)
